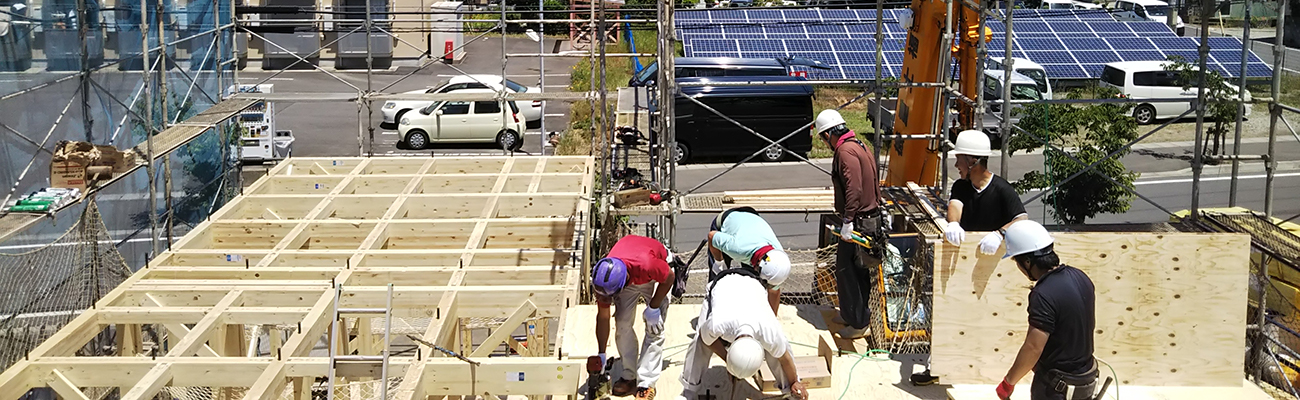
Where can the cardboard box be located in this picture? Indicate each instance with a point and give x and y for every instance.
(814, 371)
(68, 174)
(632, 197)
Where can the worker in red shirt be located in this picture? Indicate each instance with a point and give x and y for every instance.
(636, 267)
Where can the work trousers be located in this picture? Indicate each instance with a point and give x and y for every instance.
(699, 355)
(852, 285)
(643, 362)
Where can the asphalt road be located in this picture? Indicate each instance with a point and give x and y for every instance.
(331, 129)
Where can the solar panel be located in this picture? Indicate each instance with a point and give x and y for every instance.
(1069, 43)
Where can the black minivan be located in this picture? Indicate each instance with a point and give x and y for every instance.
(773, 111)
(694, 67)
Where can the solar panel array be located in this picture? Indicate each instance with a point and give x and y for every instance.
(1070, 44)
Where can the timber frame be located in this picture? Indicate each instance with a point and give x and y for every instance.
(459, 238)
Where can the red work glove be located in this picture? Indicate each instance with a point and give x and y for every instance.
(1005, 389)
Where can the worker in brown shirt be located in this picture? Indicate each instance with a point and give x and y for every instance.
(857, 201)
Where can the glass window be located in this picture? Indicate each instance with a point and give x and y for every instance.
(455, 108)
(1112, 76)
(1144, 78)
(476, 85)
(487, 107)
(1157, 11)
(448, 88)
(1025, 92)
(1038, 76)
(515, 86)
(991, 87)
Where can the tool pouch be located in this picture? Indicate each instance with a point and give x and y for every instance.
(1074, 386)
(870, 226)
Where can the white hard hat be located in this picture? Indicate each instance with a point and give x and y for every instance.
(774, 268)
(828, 119)
(973, 143)
(1026, 237)
(744, 356)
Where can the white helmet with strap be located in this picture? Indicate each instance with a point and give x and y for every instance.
(1026, 237)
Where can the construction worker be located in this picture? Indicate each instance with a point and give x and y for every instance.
(741, 331)
(980, 201)
(857, 201)
(740, 233)
(1062, 317)
(636, 267)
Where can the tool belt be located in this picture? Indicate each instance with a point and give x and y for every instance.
(1074, 386)
(713, 281)
(870, 226)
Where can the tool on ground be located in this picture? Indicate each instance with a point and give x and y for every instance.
(856, 236)
(417, 339)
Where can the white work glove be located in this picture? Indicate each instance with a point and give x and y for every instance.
(846, 232)
(954, 233)
(654, 321)
(990, 243)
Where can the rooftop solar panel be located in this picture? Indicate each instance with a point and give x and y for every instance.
(1073, 43)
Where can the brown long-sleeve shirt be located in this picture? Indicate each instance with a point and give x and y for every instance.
(856, 180)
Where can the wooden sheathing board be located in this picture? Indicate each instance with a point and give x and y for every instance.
(458, 238)
(1170, 308)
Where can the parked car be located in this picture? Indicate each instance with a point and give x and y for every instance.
(1154, 10)
(532, 110)
(772, 111)
(464, 122)
(1150, 80)
(1022, 88)
(690, 67)
(1026, 67)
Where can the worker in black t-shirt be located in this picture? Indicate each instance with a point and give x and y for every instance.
(1062, 317)
(980, 201)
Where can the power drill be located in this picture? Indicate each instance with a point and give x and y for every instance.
(598, 385)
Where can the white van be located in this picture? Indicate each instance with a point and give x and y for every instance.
(491, 121)
(1068, 5)
(1149, 80)
(1027, 68)
(1022, 88)
(1154, 10)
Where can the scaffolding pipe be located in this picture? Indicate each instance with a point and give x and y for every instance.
(1279, 57)
(1241, 105)
(1198, 147)
(1007, 64)
(878, 90)
(149, 129)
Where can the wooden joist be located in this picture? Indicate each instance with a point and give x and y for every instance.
(459, 238)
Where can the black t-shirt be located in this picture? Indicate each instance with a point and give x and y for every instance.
(990, 209)
(1063, 305)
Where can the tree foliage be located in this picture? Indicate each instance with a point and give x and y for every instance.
(1219, 99)
(1087, 133)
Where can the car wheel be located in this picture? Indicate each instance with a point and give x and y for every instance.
(417, 140)
(509, 140)
(681, 153)
(773, 153)
(397, 120)
(1144, 114)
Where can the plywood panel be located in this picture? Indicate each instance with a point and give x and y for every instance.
(1247, 391)
(1163, 302)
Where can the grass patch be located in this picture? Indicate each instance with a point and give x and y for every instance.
(576, 140)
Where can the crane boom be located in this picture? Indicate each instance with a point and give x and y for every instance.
(928, 56)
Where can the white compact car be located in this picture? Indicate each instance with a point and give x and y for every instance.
(464, 122)
(1149, 80)
(531, 110)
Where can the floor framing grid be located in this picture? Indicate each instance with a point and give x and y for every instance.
(459, 238)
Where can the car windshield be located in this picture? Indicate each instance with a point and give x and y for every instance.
(1059, 6)
(1024, 91)
(1038, 76)
(431, 107)
(1158, 11)
(516, 87)
(648, 72)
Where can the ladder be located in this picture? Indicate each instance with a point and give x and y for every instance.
(361, 361)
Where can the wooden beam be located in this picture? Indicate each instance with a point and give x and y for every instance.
(65, 388)
(522, 313)
(179, 330)
(151, 383)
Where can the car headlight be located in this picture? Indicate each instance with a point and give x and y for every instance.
(390, 105)
(406, 121)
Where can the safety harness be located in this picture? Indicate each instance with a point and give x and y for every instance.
(717, 226)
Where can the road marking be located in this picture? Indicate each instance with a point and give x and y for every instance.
(556, 115)
(388, 133)
(1216, 178)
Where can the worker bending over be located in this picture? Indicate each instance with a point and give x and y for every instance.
(636, 267)
(980, 201)
(741, 234)
(857, 201)
(1058, 346)
(735, 325)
